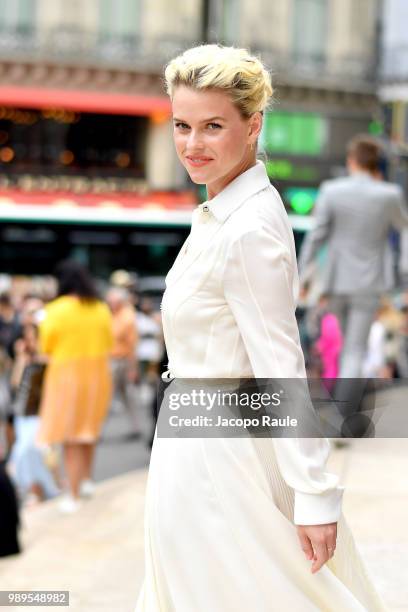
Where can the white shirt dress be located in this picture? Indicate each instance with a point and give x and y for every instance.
(220, 513)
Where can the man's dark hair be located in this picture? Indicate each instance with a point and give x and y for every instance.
(5, 299)
(366, 152)
(74, 278)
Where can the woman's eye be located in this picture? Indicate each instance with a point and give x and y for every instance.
(181, 125)
(215, 126)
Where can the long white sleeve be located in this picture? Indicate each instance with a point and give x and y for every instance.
(260, 283)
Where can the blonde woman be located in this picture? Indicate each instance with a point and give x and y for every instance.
(233, 525)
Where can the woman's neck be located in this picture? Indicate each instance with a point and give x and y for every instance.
(215, 188)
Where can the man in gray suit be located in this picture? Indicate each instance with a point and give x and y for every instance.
(354, 216)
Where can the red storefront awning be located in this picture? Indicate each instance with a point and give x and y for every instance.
(84, 101)
(155, 207)
(184, 200)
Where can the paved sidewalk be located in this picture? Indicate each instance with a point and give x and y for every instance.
(375, 473)
(97, 554)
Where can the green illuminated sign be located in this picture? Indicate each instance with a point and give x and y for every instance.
(279, 168)
(376, 128)
(157, 250)
(301, 199)
(294, 133)
(284, 169)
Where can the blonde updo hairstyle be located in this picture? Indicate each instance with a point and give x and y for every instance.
(233, 70)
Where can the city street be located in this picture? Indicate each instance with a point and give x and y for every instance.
(218, 189)
(98, 553)
(117, 453)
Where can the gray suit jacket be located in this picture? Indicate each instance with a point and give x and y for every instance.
(353, 216)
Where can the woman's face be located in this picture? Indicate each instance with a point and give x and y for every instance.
(212, 139)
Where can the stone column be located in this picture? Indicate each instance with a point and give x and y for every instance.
(163, 170)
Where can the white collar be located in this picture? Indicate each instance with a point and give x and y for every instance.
(237, 191)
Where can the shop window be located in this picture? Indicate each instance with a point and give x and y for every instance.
(310, 21)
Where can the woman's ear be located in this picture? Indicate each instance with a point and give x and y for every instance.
(255, 125)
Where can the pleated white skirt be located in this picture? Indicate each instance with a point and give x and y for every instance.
(219, 536)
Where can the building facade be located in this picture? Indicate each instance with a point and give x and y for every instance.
(393, 86)
(86, 125)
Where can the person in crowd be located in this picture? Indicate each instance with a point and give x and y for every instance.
(10, 326)
(402, 352)
(27, 461)
(7, 433)
(76, 335)
(375, 360)
(150, 354)
(9, 508)
(32, 310)
(150, 347)
(9, 515)
(329, 343)
(354, 216)
(302, 312)
(383, 342)
(123, 355)
(124, 279)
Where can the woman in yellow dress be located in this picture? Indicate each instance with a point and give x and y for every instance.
(76, 335)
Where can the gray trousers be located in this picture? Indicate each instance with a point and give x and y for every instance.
(355, 314)
(124, 392)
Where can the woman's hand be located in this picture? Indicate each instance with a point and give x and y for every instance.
(318, 542)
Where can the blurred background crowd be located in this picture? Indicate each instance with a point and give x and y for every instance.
(89, 179)
(72, 351)
(41, 321)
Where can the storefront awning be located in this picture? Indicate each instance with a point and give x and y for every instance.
(84, 101)
(161, 208)
(155, 208)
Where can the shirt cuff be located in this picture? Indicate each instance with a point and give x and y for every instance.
(318, 508)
